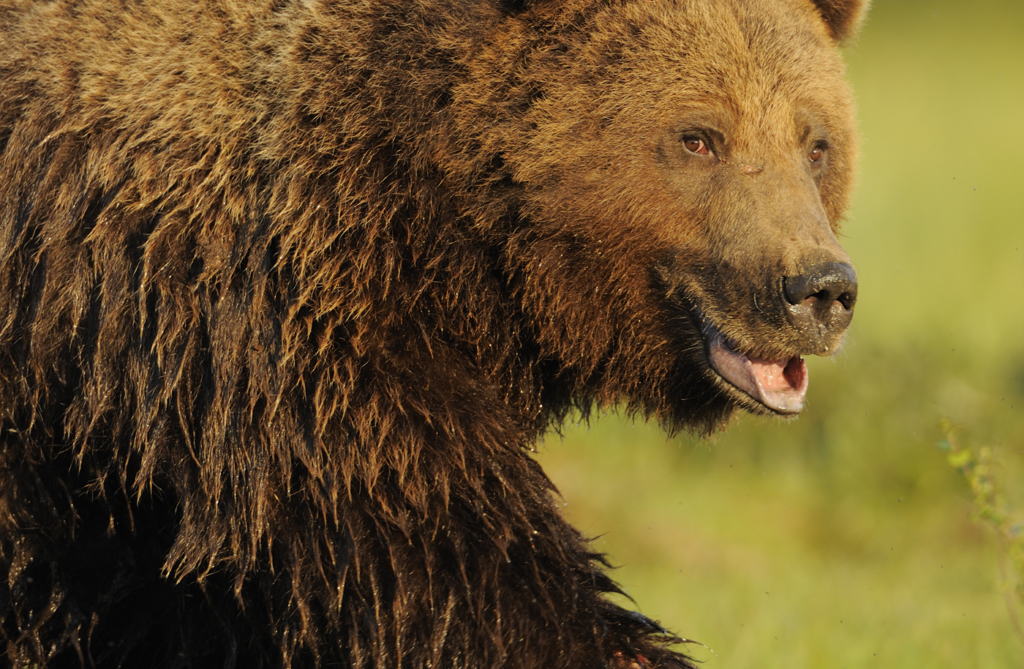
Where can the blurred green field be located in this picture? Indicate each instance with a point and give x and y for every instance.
(844, 538)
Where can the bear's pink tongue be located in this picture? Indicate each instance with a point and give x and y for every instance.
(779, 385)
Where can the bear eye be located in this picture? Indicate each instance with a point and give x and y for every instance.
(696, 145)
(816, 154)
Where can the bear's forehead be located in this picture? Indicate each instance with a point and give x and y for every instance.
(742, 41)
(748, 62)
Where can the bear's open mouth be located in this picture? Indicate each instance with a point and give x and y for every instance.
(779, 385)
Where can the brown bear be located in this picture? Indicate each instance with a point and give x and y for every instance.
(290, 288)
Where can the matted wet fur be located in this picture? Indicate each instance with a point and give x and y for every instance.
(288, 291)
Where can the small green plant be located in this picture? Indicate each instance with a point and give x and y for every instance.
(980, 467)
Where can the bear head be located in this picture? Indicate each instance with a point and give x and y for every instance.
(682, 169)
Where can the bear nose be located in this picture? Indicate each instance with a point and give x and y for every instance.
(820, 302)
(827, 283)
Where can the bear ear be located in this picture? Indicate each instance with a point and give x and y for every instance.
(843, 17)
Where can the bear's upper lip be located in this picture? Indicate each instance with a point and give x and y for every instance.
(779, 385)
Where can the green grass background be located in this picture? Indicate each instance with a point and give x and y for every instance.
(844, 538)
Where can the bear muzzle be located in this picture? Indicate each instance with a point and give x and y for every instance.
(818, 304)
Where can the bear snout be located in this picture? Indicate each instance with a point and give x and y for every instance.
(819, 303)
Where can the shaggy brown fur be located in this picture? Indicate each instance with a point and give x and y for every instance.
(288, 289)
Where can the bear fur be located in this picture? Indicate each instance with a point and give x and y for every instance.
(289, 289)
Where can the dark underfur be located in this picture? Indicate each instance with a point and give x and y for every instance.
(275, 344)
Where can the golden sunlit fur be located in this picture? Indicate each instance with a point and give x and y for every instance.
(289, 289)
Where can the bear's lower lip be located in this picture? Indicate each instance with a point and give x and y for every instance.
(779, 385)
